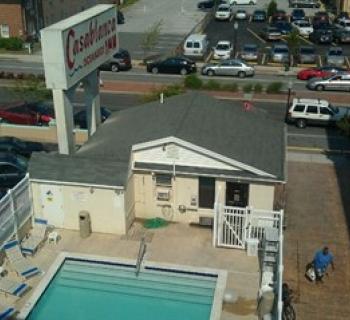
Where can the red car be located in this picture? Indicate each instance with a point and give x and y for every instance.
(322, 72)
(26, 113)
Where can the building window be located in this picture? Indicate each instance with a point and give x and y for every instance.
(206, 192)
(237, 194)
(4, 31)
(163, 180)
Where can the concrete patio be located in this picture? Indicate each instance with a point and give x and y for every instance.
(176, 244)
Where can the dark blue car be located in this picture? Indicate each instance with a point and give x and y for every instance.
(297, 14)
(283, 26)
(259, 16)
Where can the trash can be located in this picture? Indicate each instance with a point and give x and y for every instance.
(84, 224)
(252, 247)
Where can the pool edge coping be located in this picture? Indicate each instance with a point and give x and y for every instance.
(51, 272)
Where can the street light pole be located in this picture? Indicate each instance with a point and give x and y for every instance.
(290, 87)
(235, 27)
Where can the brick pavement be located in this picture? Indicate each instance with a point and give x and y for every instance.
(318, 213)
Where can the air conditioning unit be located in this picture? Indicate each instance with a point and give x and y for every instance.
(163, 195)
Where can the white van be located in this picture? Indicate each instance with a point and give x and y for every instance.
(196, 45)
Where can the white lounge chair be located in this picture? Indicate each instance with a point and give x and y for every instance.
(18, 262)
(12, 287)
(37, 236)
(6, 312)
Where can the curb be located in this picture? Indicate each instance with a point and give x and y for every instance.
(318, 150)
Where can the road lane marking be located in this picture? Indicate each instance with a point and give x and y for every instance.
(255, 35)
(318, 136)
(20, 67)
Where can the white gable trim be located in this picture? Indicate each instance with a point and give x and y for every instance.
(203, 151)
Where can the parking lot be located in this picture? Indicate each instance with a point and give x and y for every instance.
(249, 32)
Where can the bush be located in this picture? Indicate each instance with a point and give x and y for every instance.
(258, 88)
(13, 44)
(193, 82)
(233, 87)
(272, 8)
(247, 88)
(168, 91)
(274, 87)
(344, 125)
(212, 85)
(9, 75)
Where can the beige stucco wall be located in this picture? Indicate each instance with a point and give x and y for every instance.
(63, 203)
(261, 196)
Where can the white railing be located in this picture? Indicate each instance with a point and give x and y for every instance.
(15, 210)
(280, 268)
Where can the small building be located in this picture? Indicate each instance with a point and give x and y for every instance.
(172, 160)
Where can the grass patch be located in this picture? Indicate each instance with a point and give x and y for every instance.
(168, 91)
(212, 85)
(258, 88)
(127, 3)
(274, 87)
(232, 87)
(193, 82)
(247, 88)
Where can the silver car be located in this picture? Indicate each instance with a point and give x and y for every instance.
(279, 53)
(340, 82)
(335, 56)
(232, 67)
(250, 52)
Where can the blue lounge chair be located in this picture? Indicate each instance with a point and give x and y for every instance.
(18, 262)
(37, 236)
(6, 312)
(12, 287)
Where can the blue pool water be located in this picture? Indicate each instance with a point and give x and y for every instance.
(87, 290)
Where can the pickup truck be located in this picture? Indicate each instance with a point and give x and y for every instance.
(304, 4)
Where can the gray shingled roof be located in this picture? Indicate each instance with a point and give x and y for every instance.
(220, 126)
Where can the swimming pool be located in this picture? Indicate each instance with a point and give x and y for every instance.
(82, 287)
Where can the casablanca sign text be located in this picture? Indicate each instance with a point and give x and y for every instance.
(79, 47)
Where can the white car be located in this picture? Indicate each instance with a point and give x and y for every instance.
(343, 24)
(223, 12)
(241, 15)
(303, 27)
(223, 50)
(239, 2)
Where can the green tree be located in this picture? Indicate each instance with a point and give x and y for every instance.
(293, 41)
(150, 37)
(271, 8)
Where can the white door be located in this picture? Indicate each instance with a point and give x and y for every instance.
(52, 204)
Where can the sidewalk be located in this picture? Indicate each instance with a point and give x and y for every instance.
(36, 57)
(118, 86)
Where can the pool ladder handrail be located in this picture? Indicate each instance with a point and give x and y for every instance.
(140, 256)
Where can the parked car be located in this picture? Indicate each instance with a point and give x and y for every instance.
(13, 168)
(172, 65)
(321, 16)
(223, 12)
(341, 36)
(222, 50)
(297, 14)
(120, 17)
(306, 54)
(240, 2)
(303, 27)
(279, 53)
(208, 4)
(304, 4)
(233, 67)
(250, 52)
(303, 112)
(80, 119)
(343, 24)
(259, 15)
(321, 36)
(283, 26)
(340, 82)
(196, 45)
(18, 146)
(279, 15)
(271, 34)
(24, 113)
(335, 56)
(241, 15)
(121, 61)
(343, 15)
(321, 72)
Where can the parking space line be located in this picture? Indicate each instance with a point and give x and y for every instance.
(263, 59)
(347, 62)
(209, 57)
(305, 40)
(255, 35)
(320, 60)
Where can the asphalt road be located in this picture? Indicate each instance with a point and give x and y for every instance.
(310, 137)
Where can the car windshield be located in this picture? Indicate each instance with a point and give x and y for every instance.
(224, 9)
(250, 48)
(259, 12)
(335, 53)
(240, 11)
(307, 51)
(334, 109)
(304, 25)
(280, 50)
(273, 30)
(222, 47)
